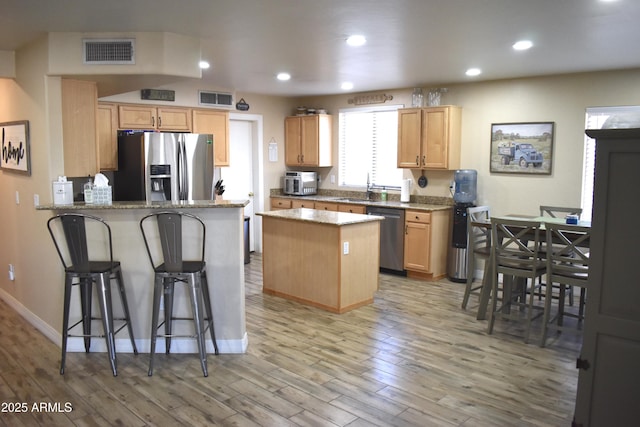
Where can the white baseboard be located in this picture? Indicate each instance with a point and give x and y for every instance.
(123, 344)
(30, 317)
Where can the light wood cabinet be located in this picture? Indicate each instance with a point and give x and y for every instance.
(79, 112)
(345, 207)
(215, 123)
(326, 206)
(308, 140)
(309, 204)
(429, 138)
(154, 118)
(279, 203)
(425, 243)
(417, 237)
(107, 128)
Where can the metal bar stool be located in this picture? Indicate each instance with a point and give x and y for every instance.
(169, 268)
(80, 270)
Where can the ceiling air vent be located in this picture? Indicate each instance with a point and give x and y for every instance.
(109, 51)
(216, 99)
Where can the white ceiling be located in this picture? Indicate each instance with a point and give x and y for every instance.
(410, 43)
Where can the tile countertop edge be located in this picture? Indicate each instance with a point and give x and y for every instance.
(195, 204)
(321, 217)
(374, 203)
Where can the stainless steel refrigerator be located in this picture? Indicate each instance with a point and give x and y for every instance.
(158, 166)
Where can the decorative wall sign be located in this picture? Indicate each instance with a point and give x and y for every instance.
(242, 105)
(15, 147)
(370, 99)
(522, 148)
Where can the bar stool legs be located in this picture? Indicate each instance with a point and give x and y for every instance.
(106, 314)
(199, 297)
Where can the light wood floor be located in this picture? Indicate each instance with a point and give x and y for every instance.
(413, 358)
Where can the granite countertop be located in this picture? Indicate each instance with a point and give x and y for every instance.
(417, 205)
(191, 204)
(321, 217)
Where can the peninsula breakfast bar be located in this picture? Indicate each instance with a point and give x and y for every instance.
(224, 255)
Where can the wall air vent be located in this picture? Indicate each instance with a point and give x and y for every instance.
(215, 99)
(108, 51)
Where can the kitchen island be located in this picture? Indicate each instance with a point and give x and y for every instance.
(224, 255)
(325, 259)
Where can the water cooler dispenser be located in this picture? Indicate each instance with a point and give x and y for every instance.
(464, 197)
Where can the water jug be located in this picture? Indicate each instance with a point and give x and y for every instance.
(465, 185)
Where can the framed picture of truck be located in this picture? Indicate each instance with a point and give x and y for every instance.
(522, 148)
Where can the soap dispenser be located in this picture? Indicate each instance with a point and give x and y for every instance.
(88, 191)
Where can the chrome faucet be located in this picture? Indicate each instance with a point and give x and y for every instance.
(369, 188)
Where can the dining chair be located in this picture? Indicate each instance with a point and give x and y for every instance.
(478, 248)
(515, 246)
(172, 231)
(84, 245)
(559, 211)
(568, 266)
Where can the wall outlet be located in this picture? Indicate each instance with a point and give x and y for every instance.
(345, 248)
(12, 273)
(333, 179)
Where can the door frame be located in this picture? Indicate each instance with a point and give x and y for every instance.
(258, 173)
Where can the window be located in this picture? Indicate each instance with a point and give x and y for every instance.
(595, 119)
(368, 141)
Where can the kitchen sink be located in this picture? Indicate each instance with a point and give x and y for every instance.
(349, 199)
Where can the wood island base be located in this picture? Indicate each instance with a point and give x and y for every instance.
(328, 260)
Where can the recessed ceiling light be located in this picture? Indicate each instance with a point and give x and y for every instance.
(347, 86)
(356, 40)
(204, 65)
(473, 72)
(522, 45)
(283, 76)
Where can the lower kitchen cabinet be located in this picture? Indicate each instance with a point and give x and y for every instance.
(359, 209)
(280, 203)
(325, 206)
(309, 204)
(425, 243)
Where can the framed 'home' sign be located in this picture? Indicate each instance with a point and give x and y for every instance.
(15, 147)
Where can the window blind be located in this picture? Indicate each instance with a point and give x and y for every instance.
(595, 118)
(368, 140)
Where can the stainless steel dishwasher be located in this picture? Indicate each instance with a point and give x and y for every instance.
(391, 238)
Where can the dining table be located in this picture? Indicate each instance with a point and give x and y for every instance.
(485, 291)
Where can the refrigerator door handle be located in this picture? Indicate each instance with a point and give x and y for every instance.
(184, 183)
(179, 169)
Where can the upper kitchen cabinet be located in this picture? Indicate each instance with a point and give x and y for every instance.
(307, 140)
(79, 112)
(429, 138)
(154, 118)
(107, 126)
(215, 123)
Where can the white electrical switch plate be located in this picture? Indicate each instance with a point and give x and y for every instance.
(333, 179)
(36, 200)
(345, 248)
(17, 198)
(12, 274)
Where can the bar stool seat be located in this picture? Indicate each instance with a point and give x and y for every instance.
(83, 272)
(170, 268)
